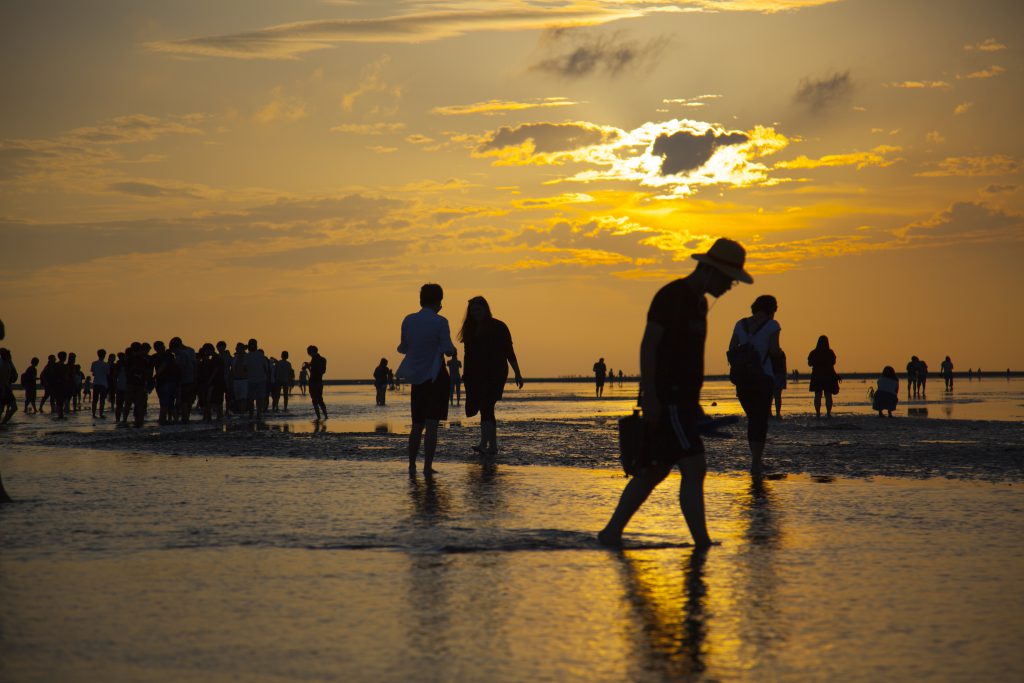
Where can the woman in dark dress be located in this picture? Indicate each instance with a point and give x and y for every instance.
(824, 379)
(488, 354)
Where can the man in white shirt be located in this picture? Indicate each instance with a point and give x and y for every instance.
(100, 371)
(426, 339)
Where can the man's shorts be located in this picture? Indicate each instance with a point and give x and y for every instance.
(430, 399)
(674, 437)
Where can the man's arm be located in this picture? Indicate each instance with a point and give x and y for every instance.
(653, 334)
(403, 344)
(447, 347)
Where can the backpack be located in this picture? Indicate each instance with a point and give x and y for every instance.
(746, 366)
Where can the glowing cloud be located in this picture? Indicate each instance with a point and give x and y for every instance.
(990, 72)
(987, 45)
(919, 85)
(499, 107)
(876, 157)
(995, 165)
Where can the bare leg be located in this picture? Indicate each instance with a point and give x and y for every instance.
(756, 453)
(633, 496)
(415, 435)
(429, 446)
(4, 498)
(817, 403)
(691, 497)
(828, 404)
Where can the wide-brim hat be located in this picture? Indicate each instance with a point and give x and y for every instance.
(728, 257)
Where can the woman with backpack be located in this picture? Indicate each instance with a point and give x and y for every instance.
(753, 352)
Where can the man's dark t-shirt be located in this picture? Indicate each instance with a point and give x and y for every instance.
(317, 368)
(679, 370)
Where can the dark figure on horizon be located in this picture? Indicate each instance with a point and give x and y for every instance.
(380, 381)
(671, 376)
(100, 376)
(600, 371)
(620, 378)
(4, 498)
(28, 384)
(455, 375)
(138, 376)
(167, 375)
(489, 353)
(317, 370)
(887, 395)
(824, 379)
(947, 373)
(211, 382)
(426, 339)
(755, 388)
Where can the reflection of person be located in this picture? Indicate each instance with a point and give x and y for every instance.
(426, 339)
(671, 376)
(824, 380)
(489, 353)
(380, 381)
(761, 332)
(455, 373)
(887, 395)
(600, 371)
(947, 373)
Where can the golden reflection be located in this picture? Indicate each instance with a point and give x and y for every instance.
(431, 503)
(669, 608)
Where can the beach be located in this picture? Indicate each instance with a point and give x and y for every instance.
(873, 549)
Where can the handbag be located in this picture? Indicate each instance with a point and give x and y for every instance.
(631, 441)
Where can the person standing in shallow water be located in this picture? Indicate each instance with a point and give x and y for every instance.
(671, 376)
(600, 371)
(317, 369)
(947, 373)
(824, 380)
(489, 354)
(455, 375)
(426, 340)
(380, 381)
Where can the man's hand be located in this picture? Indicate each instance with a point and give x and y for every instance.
(519, 380)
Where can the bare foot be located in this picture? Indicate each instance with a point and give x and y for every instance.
(609, 539)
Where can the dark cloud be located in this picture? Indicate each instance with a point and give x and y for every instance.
(970, 220)
(685, 151)
(548, 137)
(999, 189)
(577, 53)
(303, 257)
(150, 190)
(819, 95)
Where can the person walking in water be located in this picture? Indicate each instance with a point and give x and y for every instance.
(600, 372)
(489, 354)
(759, 336)
(912, 383)
(455, 374)
(380, 381)
(28, 384)
(317, 369)
(100, 376)
(824, 379)
(947, 373)
(671, 376)
(426, 339)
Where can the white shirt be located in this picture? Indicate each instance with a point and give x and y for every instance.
(426, 338)
(759, 340)
(100, 370)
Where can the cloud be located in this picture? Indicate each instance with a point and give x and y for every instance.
(935, 137)
(962, 108)
(281, 107)
(971, 221)
(368, 128)
(819, 95)
(692, 102)
(919, 85)
(684, 151)
(987, 45)
(990, 72)
(876, 157)
(1000, 189)
(544, 142)
(577, 53)
(372, 82)
(492, 107)
(995, 165)
(147, 189)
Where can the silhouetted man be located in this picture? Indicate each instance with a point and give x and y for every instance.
(284, 375)
(100, 376)
(380, 381)
(317, 369)
(600, 371)
(4, 498)
(671, 376)
(426, 339)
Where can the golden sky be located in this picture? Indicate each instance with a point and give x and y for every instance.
(295, 171)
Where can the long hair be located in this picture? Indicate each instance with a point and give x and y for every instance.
(469, 325)
(822, 343)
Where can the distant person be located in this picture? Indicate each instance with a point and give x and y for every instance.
(258, 374)
(303, 377)
(489, 353)
(317, 369)
(28, 385)
(824, 379)
(887, 395)
(970, 374)
(913, 386)
(426, 339)
(8, 377)
(796, 375)
(167, 374)
(87, 389)
(1007, 374)
(45, 381)
(600, 371)
(781, 382)
(284, 377)
(4, 498)
(947, 373)
(59, 384)
(620, 378)
(239, 379)
(759, 334)
(380, 381)
(922, 377)
(100, 376)
(210, 382)
(671, 376)
(139, 374)
(391, 380)
(188, 365)
(455, 375)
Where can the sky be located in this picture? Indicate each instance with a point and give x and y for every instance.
(295, 171)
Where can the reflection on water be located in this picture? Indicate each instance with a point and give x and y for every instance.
(919, 412)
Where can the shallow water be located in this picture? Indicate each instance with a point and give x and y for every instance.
(120, 566)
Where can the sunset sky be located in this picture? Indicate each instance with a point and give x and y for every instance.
(294, 171)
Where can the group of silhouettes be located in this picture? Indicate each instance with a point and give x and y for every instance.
(212, 381)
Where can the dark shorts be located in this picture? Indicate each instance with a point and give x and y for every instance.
(430, 399)
(674, 437)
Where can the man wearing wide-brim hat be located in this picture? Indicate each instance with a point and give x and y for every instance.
(671, 375)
